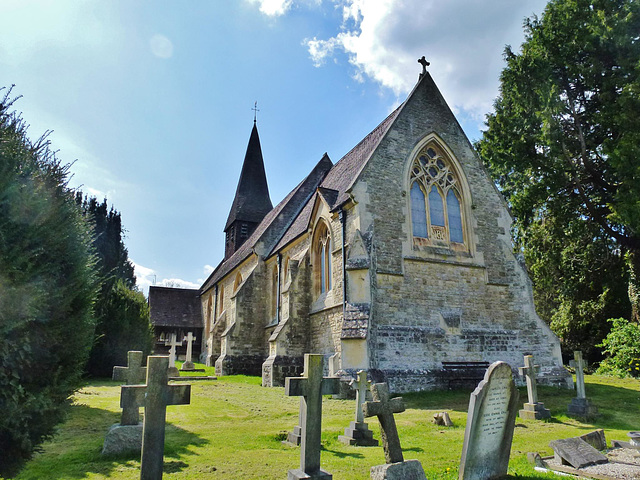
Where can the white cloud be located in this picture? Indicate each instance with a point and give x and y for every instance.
(146, 277)
(178, 283)
(273, 8)
(463, 40)
(208, 269)
(161, 46)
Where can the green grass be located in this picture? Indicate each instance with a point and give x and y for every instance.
(233, 428)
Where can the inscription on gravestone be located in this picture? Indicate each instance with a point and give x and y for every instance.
(490, 422)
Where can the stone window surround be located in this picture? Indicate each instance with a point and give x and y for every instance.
(423, 248)
(321, 266)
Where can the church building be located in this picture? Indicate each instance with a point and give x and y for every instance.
(397, 259)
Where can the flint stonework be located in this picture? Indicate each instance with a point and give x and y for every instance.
(493, 407)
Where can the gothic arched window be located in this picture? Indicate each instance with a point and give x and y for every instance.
(237, 282)
(436, 210)
(322, 259)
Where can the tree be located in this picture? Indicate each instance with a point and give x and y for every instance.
(47, 289)
(564, 142)
(122, 314)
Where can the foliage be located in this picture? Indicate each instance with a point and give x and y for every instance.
(46, 290)
(122, 314)
(564, 147)
(123, 325)
(622, 347)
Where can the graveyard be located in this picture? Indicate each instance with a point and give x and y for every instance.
(233, 428)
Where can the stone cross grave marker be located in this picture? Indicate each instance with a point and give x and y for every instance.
(533, 410)
(154, 397)
(384, 407)
(133, 374)
(491, 419)
(188, 364)
(311, 387)
(172, 344)
(358, 432)
(580, 405)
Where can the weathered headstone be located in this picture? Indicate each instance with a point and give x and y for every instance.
(576, 452)
(443, 419)
(188, 364)
(358, 432)
(490, 423)
(396, 467)
(311, 387)
(133, 374)
(533, 409)
(580, 404)
(172, 344)
(154, 397)
(126, 436)
(294, 438)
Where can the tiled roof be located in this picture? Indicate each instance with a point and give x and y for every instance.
(344, 173)
(275, 223)
(175, 307)
(251, 202)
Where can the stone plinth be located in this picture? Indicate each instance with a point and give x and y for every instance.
(358, 434)
(535, 411)
(123, 439)
(407, 470)
(582, 407)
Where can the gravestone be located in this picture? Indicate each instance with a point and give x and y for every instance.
(358, 432)
(443, 419)
(576, 452)
(580, 405)
(311, 387)
(490, 423)
(154, 397)
(294, 438)
(172, 344)
(126, 436)
(396, 467)
(133, 374)
(533, 410)
(188, 364)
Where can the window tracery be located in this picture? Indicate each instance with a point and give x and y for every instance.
(435, 196)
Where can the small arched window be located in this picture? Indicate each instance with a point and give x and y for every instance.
(322, 259)
(436, 213)
(220, 299)
(274, 293)
(285, 271)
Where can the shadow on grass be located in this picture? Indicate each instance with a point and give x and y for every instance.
(82, 435)
(343, 454)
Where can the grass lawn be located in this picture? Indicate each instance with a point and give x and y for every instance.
(233, 428)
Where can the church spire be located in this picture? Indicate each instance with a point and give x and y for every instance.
(252, 201)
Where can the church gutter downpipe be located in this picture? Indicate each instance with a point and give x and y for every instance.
(343, 221)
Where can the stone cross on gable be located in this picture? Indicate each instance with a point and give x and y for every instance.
(579, 364)
(133, 374)
(530, 370)
(383, 407)
(311, 387)
(423, 61)
(154, 397)
(172, 344)
(188, 364)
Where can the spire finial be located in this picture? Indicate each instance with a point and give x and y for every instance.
(423, 61)
(255, 111)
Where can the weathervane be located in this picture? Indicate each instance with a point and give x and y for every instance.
(423, 61)
(255, 110)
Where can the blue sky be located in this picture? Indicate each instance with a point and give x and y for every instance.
(152, 100)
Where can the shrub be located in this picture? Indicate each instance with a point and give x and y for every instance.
(622, 349)
(46, 290)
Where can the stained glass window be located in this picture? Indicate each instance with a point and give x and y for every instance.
(418, 211)
(436, 207)
(455, 217)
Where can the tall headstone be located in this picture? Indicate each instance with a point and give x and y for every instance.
(580, 405)
(490, 423)
(311, 387)
(396, 467)
(172, 344)
(358, 432)
(188, 364)
(154, 397)
(533, 409)
(133, 374)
